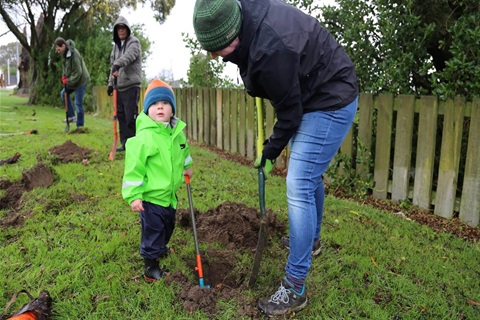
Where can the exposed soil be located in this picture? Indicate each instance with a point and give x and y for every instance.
(231, 230)
(235, 228)
(69, 152)
(39, 176)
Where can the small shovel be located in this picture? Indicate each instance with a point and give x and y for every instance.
(198, 267)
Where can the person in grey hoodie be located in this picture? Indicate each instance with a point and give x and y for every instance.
(126, 74)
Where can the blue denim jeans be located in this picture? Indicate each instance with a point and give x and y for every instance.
(313, 146)
(79, 93)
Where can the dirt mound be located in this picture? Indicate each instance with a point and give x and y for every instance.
(236, 227)
(232, 224)
(39, 176)
(69, 152)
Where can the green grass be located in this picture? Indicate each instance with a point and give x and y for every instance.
(81, 240)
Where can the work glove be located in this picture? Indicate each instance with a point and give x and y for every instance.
(265, 164)
(69, 91)
(64, 80)
(115, 68)
(110, 90)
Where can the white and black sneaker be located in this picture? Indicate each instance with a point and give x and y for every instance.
(317, 245)
(70, 119)
(284, 301)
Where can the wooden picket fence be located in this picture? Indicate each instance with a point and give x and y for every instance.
(399, 131)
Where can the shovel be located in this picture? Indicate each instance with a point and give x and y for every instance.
(198, 267)
(111, 156)
(65, 102)
(262, 234)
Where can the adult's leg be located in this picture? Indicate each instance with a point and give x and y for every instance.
(127, 112)
(79, 94)
(312, 148)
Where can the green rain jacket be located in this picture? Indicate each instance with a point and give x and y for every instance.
(154, 162)
(74, 67)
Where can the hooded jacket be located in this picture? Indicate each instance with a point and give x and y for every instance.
(286, 56)
(154, 162)
(128, 56)
(74, 67)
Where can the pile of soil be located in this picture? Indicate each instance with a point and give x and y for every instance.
(235, 227)
(39, 176)
(69, 152)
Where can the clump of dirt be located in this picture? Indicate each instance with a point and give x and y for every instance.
(39, 176)
(69, 152)
(236, 227)
(232, 224)
(79, 131)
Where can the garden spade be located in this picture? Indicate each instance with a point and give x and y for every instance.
(262, 234)
(111, 156)
(65, 102)
(198, 267)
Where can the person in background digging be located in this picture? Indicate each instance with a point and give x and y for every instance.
(74, 79)
(126, 60)
(286, 56)
(156, 160)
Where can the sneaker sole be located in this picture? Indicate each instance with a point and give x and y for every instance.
(288, 311)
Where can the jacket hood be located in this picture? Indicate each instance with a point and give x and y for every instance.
(70, 44)
(120, 20)
(144, 122)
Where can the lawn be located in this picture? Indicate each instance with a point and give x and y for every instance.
(79, 240)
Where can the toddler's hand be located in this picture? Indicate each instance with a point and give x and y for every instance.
(137, 205)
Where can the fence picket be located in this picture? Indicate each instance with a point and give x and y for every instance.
(242, 123)
(226, 119)
(219, 119)
(449, 157)
(365, 125)
(383, 145)
(250, 127)
(402, 158)
(422, 189)
(470, 203)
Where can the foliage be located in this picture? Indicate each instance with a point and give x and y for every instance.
(342, 176)
(204, 72)
(413, 46)
(80, 241)
(70, 19)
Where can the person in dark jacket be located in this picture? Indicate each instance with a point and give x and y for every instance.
(74, 79)
(126, 60)
(286, 56)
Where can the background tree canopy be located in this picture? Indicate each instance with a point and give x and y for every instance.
(404, 47)
(408, 46)
(89, 24)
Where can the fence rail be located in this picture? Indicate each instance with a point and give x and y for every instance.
(422, 148)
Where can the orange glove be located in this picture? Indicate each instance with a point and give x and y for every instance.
(64, 80)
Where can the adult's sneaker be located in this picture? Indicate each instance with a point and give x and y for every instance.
(317, 245)
(70, 119)
(284, 300)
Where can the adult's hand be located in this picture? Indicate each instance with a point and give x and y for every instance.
(64, 80)
(110, 90)
(265, 164)
(115, 69)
